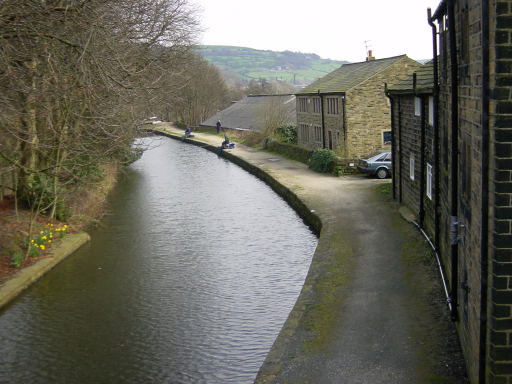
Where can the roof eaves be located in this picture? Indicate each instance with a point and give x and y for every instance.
(400, 57)
(440, 11)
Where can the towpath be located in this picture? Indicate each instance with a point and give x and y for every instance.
(371, 309)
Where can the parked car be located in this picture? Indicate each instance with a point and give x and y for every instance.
(378, 164)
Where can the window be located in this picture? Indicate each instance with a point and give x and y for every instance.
(386, 137)
(318, 133)
(316, 105)
(304, 132)
(431, 110)
(332, 106)
(303, 104)
(443, 46)
(411, 166)
(429, 181)
(417, 106)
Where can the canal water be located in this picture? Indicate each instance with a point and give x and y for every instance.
(187, 280)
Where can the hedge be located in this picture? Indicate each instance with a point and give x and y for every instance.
(290, 151)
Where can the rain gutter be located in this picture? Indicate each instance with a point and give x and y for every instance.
(322, 117)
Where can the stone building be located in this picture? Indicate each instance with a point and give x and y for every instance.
(254, 112)
(347, 109)
(412, 102)
(465, 135)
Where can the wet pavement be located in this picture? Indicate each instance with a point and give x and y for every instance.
(372, 308)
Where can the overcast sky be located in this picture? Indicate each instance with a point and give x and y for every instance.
(333, 29)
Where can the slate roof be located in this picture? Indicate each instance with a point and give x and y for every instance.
(424, 81)
(247, 113)
(349, 75)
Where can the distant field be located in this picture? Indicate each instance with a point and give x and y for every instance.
(247, 63)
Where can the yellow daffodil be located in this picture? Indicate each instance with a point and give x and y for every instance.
(44, 237)
(42, 246)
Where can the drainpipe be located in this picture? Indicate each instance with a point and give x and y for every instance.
(400, 154)
(437, 181)
(485, 193)
(322, 118)
(422, 155)
(344, 125)
(393, 151)
(454, 159)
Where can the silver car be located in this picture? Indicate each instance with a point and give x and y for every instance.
(378, 164)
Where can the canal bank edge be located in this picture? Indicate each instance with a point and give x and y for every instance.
(314, 345)
(308, 216)
(24, 278)
(325, 272)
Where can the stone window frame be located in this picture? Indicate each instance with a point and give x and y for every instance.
(317, 130)
(304, 130)
(429, 181)
(317, 106)
(412, 162)
(417, 106)
(332, 106)
(431, 110)
(384, 141)
(303, 104)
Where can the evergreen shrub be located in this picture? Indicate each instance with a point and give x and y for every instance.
(322, 160)
(287, 133)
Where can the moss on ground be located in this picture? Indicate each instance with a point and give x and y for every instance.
(321, 318)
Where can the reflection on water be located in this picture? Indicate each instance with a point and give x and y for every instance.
(188, 280)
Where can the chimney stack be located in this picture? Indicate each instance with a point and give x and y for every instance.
(370, 56)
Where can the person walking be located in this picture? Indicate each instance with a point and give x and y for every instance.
(219, 126)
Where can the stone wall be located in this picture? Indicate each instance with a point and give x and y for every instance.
(500, 334)
(368, 110)
(429, 202)
(407, 141)
(367, 116)
(486, 341)
(332, 123)
(407, 135)
(463, 261)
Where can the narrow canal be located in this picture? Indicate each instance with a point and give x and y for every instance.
(187, 280)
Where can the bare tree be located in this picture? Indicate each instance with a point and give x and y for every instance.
(205, 92)
(274, 113)
(75, 78)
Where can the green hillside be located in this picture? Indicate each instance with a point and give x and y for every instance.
(294, 67)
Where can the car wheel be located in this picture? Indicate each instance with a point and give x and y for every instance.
(382, 173)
